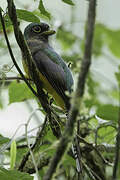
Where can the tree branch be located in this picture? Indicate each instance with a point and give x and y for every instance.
(68, 132)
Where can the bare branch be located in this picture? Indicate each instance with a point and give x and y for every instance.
(93, 147)
(37, 142)
(14, 78)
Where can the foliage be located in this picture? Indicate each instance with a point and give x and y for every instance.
(100, 107)
(19, 92)
(43, 10)
(3, 140)
(13, 175)
(66, 38)
(108, 112)
(27, 16)
(13, 155)
(68, 2)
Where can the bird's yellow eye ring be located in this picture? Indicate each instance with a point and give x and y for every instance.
(36, 29)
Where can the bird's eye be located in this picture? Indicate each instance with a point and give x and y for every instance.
(36, 29)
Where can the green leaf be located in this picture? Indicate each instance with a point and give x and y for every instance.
(108, 112)
(12, 155)
(27, 16)
(48, 149)
(13, 175)
(68, 2)
(20, 153)
(68, 161)
(66, 38)
(99, 39)
(41, 16)
(41, 173)
(43, 10)
(3, 140)
(112, 40)
(19, 92)
(91, 101)
(107, 134)
(115, 94)
(49, 136)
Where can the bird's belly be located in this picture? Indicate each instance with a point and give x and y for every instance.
(51, 90)
(47, 87)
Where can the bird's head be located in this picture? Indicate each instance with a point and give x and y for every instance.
(38, 31)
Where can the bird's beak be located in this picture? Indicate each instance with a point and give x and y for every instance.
(48, 33)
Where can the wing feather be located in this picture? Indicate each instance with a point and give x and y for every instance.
(53, 73)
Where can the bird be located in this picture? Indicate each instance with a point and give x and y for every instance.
(55, 76)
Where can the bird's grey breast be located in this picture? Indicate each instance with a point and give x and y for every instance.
(35, 45)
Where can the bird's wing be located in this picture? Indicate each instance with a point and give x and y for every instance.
(53, 73)
(49, 51)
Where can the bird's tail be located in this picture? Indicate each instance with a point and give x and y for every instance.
(76, 156)
(75, 152)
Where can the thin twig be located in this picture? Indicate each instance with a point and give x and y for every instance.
(37, 141)
(14, 78)
(7, 145)
(89, 173)
(29, 146)
(94, 148)
(68, 132)
(117, 149)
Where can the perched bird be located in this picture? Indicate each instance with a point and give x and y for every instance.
(55, 76)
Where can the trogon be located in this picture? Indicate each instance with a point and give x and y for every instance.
(54, 74)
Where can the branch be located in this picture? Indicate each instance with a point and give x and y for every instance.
(68, 132)
(93, 147)
(37, 142)
(14, 78)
